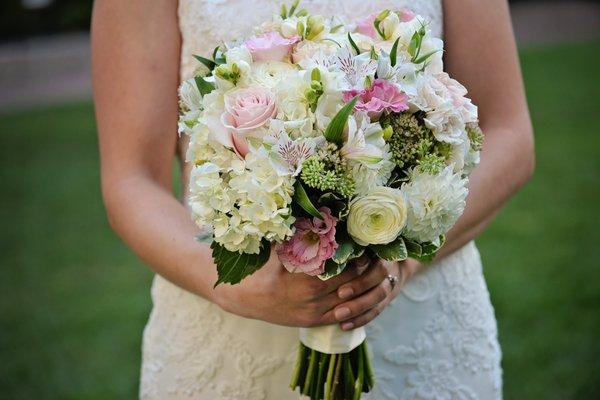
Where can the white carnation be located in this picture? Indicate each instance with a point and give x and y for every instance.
(435, 202)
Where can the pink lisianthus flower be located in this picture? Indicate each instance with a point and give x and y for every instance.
(313, 243)
(381, 96)
(271, 47)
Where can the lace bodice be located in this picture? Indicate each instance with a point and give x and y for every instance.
(205, 23)
(437, 340)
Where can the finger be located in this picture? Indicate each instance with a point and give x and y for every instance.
(373, 277)
(332, 284)
(361, 304)
(364, 318)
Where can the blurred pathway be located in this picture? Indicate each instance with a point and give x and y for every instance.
(57, 68)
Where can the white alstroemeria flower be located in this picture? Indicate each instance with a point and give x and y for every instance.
(287, 155)
(355, 68)
(364, 141)
(189, 96)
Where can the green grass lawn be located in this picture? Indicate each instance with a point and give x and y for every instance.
(75, 300)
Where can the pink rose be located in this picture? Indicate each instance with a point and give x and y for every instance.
(246, 110)
(271, 47)
(381, 96)
(313, 243)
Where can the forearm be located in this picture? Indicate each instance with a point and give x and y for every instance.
(160, 231)
(506, 165)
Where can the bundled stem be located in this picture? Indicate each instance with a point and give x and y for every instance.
(322, 376)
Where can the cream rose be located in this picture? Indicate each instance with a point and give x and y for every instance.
(377, 217)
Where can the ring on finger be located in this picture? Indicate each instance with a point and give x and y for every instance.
(393, 279)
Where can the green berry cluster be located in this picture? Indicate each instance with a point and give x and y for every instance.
(328, 171)
(475, 135)
(410, 141)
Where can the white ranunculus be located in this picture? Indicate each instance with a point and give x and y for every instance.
(271, 73)
(435, 202)
(377, 217)
(308, 48)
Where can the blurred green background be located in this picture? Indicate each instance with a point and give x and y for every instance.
(75, 300)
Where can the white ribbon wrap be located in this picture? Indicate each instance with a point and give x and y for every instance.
(331, 339)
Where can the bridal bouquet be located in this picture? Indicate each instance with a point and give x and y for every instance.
(326, 141)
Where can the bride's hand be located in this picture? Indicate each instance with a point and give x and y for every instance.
(368, 296)
(275, 295)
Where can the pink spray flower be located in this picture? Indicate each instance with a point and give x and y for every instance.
(271, 47)
(381, 96)
(313, 243)
(367, 25)
(406, 15)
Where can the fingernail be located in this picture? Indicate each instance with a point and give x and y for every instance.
(346, 326)
(345, 293)
(342, 313)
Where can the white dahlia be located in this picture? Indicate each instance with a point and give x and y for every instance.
(435, 202)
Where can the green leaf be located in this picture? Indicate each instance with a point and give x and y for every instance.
(415, 250)
(424, 57)
(233, 266)
(353, 44)
(204, 86)
(347, 251)
(335, 129)
(215, 51)
(394, 53)
(301, 198)
(415, 43)
(210, 64)
(331, 269)
(394, 251)
(293, 8)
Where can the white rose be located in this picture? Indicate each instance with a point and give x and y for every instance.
(377, 217)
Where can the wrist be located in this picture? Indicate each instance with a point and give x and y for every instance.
(408, 268)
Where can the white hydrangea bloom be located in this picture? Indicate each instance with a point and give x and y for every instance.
(245, 201)
(435, 202)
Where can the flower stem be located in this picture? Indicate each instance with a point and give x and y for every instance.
(332, 362)
(358, 385)
(336, 375)
(299, 365)
(309, 373)
(369, 372)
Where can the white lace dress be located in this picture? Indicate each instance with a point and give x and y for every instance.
(436, 341)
